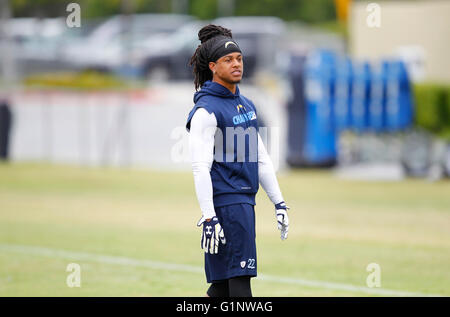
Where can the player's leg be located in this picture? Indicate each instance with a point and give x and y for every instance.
(236, 259)
(234, 287)
(242, 237)
(240, 286)
(218, 289)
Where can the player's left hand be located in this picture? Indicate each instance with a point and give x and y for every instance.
(211, 235)
(282, 219)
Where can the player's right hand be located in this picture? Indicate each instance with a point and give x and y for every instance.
(212, 233)
(282, 219)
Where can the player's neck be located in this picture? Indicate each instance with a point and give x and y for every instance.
(230, 86)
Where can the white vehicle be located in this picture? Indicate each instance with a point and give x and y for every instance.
(112, 43)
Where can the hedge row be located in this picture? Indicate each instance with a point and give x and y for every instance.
(87, 80)
(432, 102)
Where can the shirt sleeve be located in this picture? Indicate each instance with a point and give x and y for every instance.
(201, 146)
(266, 174)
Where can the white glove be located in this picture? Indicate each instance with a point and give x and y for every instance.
(212, 233)
(282, 219)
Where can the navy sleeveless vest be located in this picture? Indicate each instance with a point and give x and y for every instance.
(234, 172)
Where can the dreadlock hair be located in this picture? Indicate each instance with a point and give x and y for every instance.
(199, 60)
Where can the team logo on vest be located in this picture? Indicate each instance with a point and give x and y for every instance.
(242, 117)
(243, 264)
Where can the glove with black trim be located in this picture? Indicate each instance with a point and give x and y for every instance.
(282, 219)
(211, 235)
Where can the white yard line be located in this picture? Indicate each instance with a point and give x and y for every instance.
(119, 260)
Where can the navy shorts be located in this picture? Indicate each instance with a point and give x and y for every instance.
(238, 256)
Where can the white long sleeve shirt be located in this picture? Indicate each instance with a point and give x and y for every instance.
(201, 147)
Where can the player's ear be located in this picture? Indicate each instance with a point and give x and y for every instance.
(212, 67)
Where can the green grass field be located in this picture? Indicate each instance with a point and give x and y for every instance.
(133, 233)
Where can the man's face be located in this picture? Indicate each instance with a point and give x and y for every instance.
(229, 68)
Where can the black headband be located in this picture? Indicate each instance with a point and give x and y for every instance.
(222, 46)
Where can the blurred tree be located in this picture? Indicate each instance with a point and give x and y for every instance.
(98, 8)
(225, 7)
(152, 6)
(89, 8)
(317, 11)
(203, 9)
(38, 8)
(180, 6)
(305, 10)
